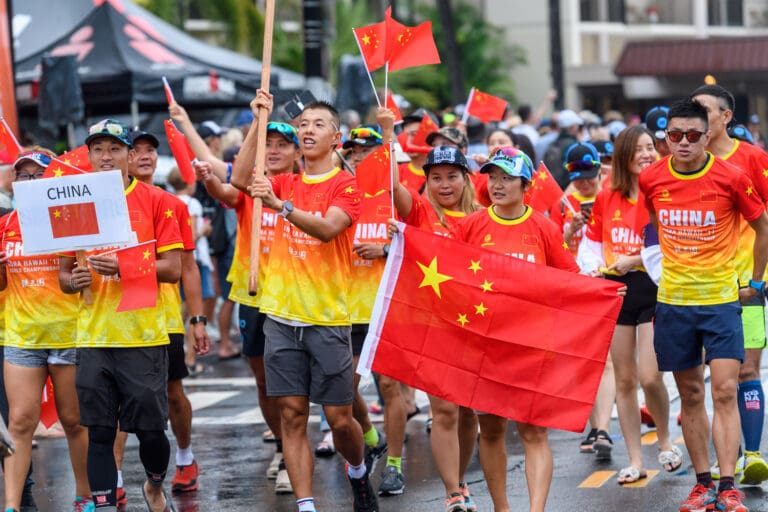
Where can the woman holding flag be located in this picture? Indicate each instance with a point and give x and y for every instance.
(448, 197)
(40, 339)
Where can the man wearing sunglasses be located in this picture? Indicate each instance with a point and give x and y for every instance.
(122, 373)
(696, 201)
(719, 103)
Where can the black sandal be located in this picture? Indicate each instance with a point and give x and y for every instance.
(603, 445)
(587, 445)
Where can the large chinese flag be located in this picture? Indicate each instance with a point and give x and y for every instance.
(544, 190)
(490, 331)
(74, 219)
(486, 107)
(138, 277)
(372, 40)
(409, 46)
(58, 168)
(373, 173)
(181, 151)
(9, 146)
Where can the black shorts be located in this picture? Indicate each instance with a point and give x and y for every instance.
(359, 332)
(251, 330)
(177, 368)
(125, 384)
(640, 302)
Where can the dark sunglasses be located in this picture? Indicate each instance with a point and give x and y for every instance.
(582, 165)
(693, 136)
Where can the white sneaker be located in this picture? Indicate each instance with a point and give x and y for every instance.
(283, 483)
(715, 469)
(274, 466)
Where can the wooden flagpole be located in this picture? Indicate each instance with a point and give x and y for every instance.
(261, 148)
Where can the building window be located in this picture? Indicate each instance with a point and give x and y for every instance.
(726, 12)
(603, 10)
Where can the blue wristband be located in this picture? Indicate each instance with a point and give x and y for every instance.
(757, 285)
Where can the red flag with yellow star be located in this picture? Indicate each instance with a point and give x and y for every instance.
(77, 157)
(9, 146)
(373, 173)
(181, 151)
(408, 47)
(58, 168)
(138, 277)
(372, 40)
(486, 107)
(75, 219)
(418, 143)
(544, 190)
(491, 332)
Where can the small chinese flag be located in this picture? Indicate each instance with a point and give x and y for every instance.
(418, 144)
(181, 151)
(76, 219)
(391, 105)
(138, 277)
(544, 190)
(58, 168)
(490, 331)
(486, 107)
(48, 413)
(168, 91)
(408, 47)
(372, 40)
(373, 173)
(77, 157)
(9, 146)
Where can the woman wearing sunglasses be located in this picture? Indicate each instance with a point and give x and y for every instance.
(40, 325)
(611, 249)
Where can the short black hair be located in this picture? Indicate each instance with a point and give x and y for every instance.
(689, 109)
(717, 91)
(524, 111)
(324, 105)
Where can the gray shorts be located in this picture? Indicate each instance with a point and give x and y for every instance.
(40, 357)
(314, 361)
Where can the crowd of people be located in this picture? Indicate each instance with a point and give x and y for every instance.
(671, 206)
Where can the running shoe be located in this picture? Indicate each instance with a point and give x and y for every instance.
(730, 501)
(283, 481)
(586, 445)
(755, 469)
(120, 496)
(274, 466)
(468, 501)
(83, 505)
(392, 482)
(373, 455)
(455, 503)
(185, 479)
(701, 499)
(715, 469)
(364, 498)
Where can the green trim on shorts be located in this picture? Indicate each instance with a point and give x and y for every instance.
(753, 320)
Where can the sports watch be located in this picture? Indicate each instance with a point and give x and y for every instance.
(198, 319)
(287, 209)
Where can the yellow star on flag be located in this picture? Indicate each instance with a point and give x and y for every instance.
(487, 286)
(11, 233)
(474, 266)
(432, 277)
(480, 309)
(146, 254)
(57, 213)
(366, 39)
(749, 190)
(565, 245)
(765, 173)
(349, 190)
(543, 175)
(169, 213)
(462, 319)
(58, 172)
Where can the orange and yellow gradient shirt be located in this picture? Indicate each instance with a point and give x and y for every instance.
(532, 237)
(37, 314)
(424, 217)
(698, 220)
(613, 224)
(240, 270)
(754, 162)
(170, 292)
(371, 228)
(307, 280)
(100, 325)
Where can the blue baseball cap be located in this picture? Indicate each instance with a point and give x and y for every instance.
(109, 128)
(284, 129)
(656, 121)
(512, 161)
(582, 161)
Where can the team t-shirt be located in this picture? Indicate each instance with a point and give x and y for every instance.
(37, 314)
(698, 220)
(307, 280)
(532, 237)
(411, 176)
(612, 224)
(423, 215)
(562, 216)
(170, 292)
(239, 272)
(100, 325)
(371, 227)
(754, 162)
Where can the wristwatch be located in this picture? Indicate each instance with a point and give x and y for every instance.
(287, 209)
(385, 248)
(757, 285)
(197, 319)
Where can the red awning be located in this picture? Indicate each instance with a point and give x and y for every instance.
(694, 56)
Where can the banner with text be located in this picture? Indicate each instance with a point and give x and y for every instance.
(70, 213)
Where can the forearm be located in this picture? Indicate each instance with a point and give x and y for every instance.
(218, 190)
(321, 228)
(65, 274)
(403, 201)
(202, 151)
(760, 257)
(168, 266)
(190, 276)
(242, 169)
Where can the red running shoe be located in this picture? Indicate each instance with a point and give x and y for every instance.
(185, 479)
(646, 418)
(730, 501)
(701, 499)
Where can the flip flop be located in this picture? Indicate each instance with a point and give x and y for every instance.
(672, 458)
(413, 413)
(235, 355)
(630, 475)
(169, 507)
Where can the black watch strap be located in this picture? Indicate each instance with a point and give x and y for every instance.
(197, 319)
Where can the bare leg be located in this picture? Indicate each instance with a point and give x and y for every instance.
(493, 458)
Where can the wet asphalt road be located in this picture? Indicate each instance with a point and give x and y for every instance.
(233, 459)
